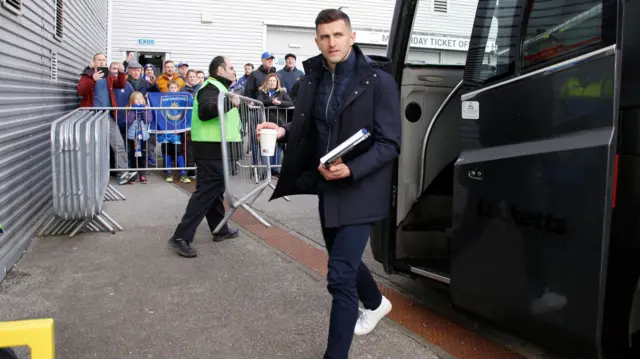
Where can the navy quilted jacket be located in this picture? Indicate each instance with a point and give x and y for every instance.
(332, 91)
(368, 98)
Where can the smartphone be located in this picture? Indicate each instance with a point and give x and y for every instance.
(104, 70)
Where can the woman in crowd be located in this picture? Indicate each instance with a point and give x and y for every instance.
(276, 100)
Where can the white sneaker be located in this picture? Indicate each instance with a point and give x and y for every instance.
(369, 318)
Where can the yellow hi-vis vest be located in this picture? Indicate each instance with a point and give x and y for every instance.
(209, 131)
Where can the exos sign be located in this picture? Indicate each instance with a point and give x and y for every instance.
(146, 42)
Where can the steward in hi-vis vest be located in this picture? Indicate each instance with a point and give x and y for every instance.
(208, 129)
(206, 138)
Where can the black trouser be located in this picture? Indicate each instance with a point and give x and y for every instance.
(207, 201)
(349, 280)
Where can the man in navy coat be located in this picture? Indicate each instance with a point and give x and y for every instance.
(344, 91)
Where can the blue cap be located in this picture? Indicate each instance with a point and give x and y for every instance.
(267, 55)
(180, 64)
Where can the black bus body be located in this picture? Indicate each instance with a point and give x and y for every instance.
(518, 185)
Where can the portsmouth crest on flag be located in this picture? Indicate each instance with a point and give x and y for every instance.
(170, 120)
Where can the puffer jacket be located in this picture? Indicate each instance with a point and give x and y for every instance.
(276, 115)
(289, 77)
(135, 118)
(332, 91)
(162, 82)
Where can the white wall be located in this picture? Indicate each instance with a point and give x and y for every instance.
(239, 31)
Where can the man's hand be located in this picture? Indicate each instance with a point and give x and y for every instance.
(276, 101)
(121, 67)
(130, 57)
(235, 100)
(97, 75)
(271, 125)
(336, 171)
(337, 162)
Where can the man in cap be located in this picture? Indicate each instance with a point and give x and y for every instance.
(183, 68)
(257, 77)
(290, 74)
(139, 83)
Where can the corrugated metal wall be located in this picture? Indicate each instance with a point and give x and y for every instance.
(238, 31)
(39, 72)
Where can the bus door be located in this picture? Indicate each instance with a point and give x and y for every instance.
(534, 179)
(414, 240)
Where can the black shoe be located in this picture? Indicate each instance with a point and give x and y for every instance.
(228, 234)
(183, 248)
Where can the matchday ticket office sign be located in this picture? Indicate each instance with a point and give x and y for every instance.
(417, 41)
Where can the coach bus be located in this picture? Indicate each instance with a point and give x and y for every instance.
(518, 183)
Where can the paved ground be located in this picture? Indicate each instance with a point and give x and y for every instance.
(128, 296)
(427, 309)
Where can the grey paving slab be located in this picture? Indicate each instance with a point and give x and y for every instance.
(128, 296)
(300, 216)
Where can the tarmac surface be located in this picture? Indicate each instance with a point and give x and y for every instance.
(129, 296)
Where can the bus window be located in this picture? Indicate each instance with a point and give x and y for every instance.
(492, 57)
(559, 28)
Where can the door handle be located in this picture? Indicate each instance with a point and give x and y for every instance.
(475, 174)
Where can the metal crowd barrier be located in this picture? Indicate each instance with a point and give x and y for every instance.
(169, 151)
(159, 150)
(243, 165)
(80, 167)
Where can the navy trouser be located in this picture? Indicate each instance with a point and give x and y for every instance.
(349, 280)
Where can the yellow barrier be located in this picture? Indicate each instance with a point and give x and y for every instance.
(37, 334)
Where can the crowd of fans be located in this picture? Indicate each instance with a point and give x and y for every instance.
(127, 85)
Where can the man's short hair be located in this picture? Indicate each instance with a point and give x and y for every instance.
(167, 62)
(114, 63)
(328, 16)
(173, 82)
(191, 70)
(215, 63)
(200, 72)
(99, 53)
(249, 64)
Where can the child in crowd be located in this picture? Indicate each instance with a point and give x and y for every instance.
(138, 121)
(173, 146)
